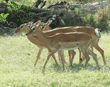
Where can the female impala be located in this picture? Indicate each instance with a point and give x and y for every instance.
(66, 41)
(89, 30)
(24, 28)
(27, 27)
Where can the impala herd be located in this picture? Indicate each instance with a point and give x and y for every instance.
(63, 38)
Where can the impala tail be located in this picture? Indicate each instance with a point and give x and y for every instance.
(98, 33)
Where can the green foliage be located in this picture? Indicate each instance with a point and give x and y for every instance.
(103, 24)
(62, 21)
(3, 17)
(21, 13)
(84, 1)
(89, 21)
(76, 12)
(1, 0)
(73, 21)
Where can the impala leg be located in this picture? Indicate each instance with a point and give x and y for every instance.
(38, 55)
(87, 59)
(85, 52)
(63, 56)
(83, 58)
(86, 56)
(87, 48)
(101, 52)
(55, 59)
(73, 54)
(95, 57)
(49, 55)
(53, 56)
(80, 59)
(70, 59)
(59, 55)
(62, 59)
(92, 48)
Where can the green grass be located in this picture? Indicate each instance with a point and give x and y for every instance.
(17, 57)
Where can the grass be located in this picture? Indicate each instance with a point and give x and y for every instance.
(17, 57)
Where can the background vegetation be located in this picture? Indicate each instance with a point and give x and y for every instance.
(23, 14)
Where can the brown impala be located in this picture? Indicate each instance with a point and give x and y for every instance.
(27, 28)
(65, 41)
(89, 30)
(24, 28)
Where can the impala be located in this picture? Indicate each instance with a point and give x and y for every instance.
(89, 30)
(66, 41)
(24, 28)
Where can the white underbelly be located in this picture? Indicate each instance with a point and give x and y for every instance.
(69, 45)
(68, 48)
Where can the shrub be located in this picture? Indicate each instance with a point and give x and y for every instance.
(19, 15)
(103, 19)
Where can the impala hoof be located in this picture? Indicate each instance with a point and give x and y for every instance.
(104, 64)
(71, 65)
(98, 68)
(43, 69)
(81, 63)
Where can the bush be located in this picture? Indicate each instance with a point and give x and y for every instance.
(73, 21)
(89, 21)
(22, 14)
(103, 25)
(19, 15)
(103, 19)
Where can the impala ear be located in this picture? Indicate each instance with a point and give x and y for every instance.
(30, 24)
(38, 22)
(22, 25)
(48, 23)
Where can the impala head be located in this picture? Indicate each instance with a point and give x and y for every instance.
(35, 31)
(45, 26)
(40, 26)
(38, 23)
(48, 23)
(24, 28)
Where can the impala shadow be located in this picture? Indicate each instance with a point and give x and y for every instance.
(74, 67)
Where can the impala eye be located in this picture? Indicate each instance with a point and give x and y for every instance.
(33, 28)
(42, 26)
(29, 26)
(21, 26)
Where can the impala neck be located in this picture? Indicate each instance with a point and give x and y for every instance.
(29, 30)
(43, 37)
(46, 28)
